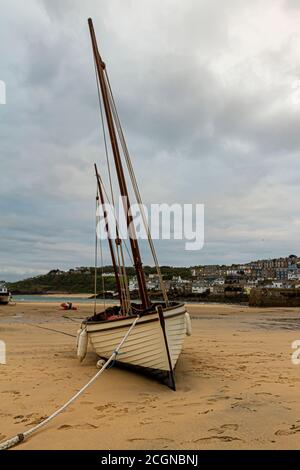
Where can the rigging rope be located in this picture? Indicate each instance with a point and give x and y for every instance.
(135, 186)
(102, 274)
(126, 285)
(126, 247)
(22, 436)
(115, 218)
(96, 256)
(125, 300)
(103, 281)
(104, 133)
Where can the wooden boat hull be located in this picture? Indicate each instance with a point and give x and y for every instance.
(145, 348)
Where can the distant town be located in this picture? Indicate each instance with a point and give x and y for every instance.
(231, 281)
(207, 282)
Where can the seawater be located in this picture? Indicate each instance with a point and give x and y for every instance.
(74, 300)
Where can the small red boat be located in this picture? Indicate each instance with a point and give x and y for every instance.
(68, 306)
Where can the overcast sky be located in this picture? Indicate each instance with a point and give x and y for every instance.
(209, 97)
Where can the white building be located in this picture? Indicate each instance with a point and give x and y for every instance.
(294, 275)
(218, 282)
(232, 272)
(199, 290)
(133, 284)
(275, 285)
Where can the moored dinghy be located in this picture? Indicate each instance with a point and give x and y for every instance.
(156, 342)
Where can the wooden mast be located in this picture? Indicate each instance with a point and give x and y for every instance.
(100, 65)
(110, 243)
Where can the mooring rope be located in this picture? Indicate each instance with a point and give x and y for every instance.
(73, 319)
(51, 329)
(22, 436)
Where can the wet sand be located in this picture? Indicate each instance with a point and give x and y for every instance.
(66, 295)
(236, 385)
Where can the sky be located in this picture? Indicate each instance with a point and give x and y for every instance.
(208, 94)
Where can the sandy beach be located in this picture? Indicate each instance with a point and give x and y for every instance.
(237, 386)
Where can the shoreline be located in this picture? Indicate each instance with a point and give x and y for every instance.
(62, 295)
(113, 300)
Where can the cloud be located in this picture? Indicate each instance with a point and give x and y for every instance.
(209, 96)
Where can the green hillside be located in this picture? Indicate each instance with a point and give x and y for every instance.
(81, 280)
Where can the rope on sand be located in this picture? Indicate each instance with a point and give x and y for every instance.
(51, 329)
(73, 319)
(21, 437)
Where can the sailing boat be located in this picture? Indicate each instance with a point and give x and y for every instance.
(5, 295)
(156, 342)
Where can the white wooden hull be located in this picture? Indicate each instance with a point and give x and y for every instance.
(146, 346)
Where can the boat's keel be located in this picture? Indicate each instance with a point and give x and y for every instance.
(162, 376)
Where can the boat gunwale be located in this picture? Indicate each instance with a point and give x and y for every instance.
(108, 322)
